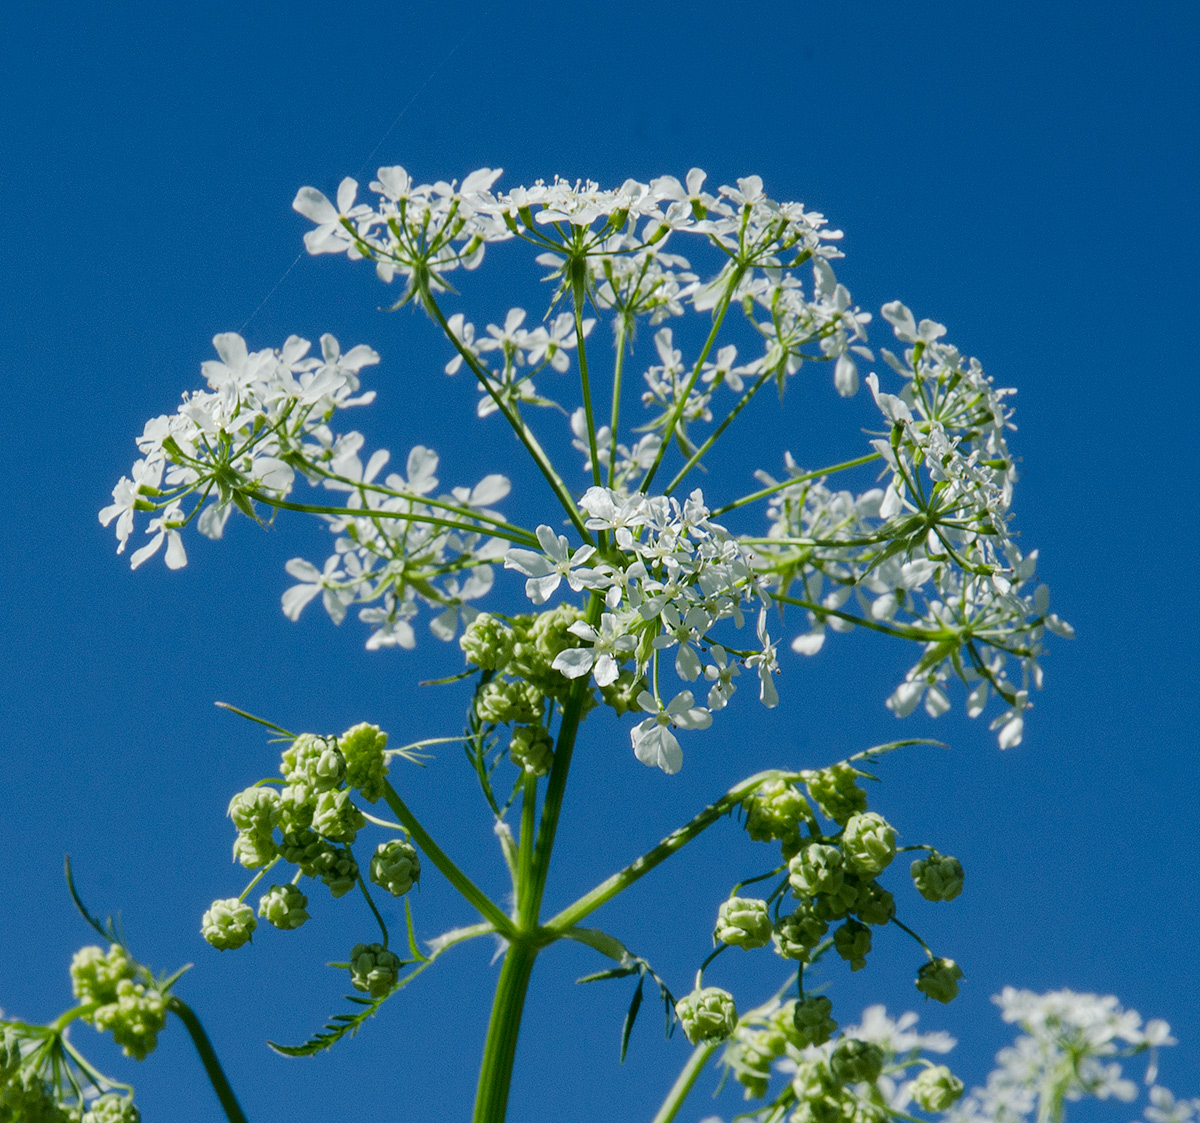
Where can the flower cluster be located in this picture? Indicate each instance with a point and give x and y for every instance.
(122, 997)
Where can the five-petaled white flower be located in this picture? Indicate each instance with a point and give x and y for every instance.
(608, 646)
(653, 742)
(546, 571)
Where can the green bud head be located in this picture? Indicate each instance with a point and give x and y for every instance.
(253, 851)
(136, 1018)
(816, 869)
(743, 922)
(531, 749)
(505, 701)
(296, 803)
(749, 1053)
(707, 1014)
(255, 810)
(938, 979)
(95, 973)
(112, 1108)
(938, 877)
(314, 761)
(836, 792)
(283, 906)
(796, 935)
(335, 817)
(936, 1088)
(838, 903)
(487, 642)
(228, 924)
(395, 866)
(337, 868)
(813, 1021)
(855, 1060)
(303, 848)
(26, 1098)
(875, 905)
(852, 941)
(373, 969)
(868, 843)
(621, 694)
(362, 746)
(774, 811)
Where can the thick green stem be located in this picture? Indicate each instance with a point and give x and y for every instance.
(208, 1057)
(495, 1073)
(683, 1084)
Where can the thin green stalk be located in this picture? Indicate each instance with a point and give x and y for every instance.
(676, 840)
(922, 635)
(525, 843)
(504, 1026)
(683, 1083)
(585, 386)
(208, 1057)
(716, 433)
(487, 908)
(768, 491)
(615, 414)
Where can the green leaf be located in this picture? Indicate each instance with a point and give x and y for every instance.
(631, 1017)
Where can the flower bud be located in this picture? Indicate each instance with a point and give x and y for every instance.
(487, 642)
(95, 973)
(335, 817)
(314, 761)
(750, 1053)
(836, 792)
(813, 1021)
(707, 1014)
(373, 969)
(812, 1083)
(838, 903)
(774, 811)
(296, 803)
(136, 1018)
(112, 1108)
(855, 1060)
(938, 979)
(743, 922)
(504, 701)
(283, 906)
(302, 848)
(936, 1088)
(938, 877)
(362, 746)
(228, 924)
(255, 813)
(852, 941)
(337, 868)
(621, 694)
(868, 843)
(875, 905)
(816, 869)
(531, 749)
(253, 851)
(395, 866)
(796, 935)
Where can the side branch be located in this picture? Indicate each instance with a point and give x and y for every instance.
(208, 1057)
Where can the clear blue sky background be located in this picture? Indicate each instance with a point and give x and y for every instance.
(1025, 173)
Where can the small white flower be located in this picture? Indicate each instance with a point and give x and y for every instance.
(546, 571)
(653, 742)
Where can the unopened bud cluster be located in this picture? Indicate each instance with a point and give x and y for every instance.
(373, 969)
(123, 995)
(707, 1014)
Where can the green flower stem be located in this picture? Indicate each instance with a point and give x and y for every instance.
(768, 491)
(922, 635)
(208, 1057)
(614, 416)
(518, 425)
(696, 456)
(487, 908)
(683, 1083)
(585, 387)
(495, 1072)
(524, 872)
(606, 890)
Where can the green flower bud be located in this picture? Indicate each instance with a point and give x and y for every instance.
(314, 761)
(621, 695)
(303, 848)
(255, 813)
(532, 749)
(362, 746)
(796, 935)
(137, 1017)
(749, 1053)
(283, 906)
(836, 792)
(112, 1108)
(743, 922)
(395, 866)
(938, 877)
(26, 1098)
(228, 924)
(875, 905)
(816, 869)
(813, 1020)
(938, 979)
(504, 701)
(549, 636)
(335, 817)
(774, 811)
(855, 1060)
(868, 843)
(852, 941)
(936, 1088)
(487, 642)
(838, 903)
(707, 1014)
(253, 851)
(337, 868)
(95, 973)
(373, 969)
(813, 1084)
(296, 803)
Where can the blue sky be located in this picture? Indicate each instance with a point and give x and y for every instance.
(1026, 174)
